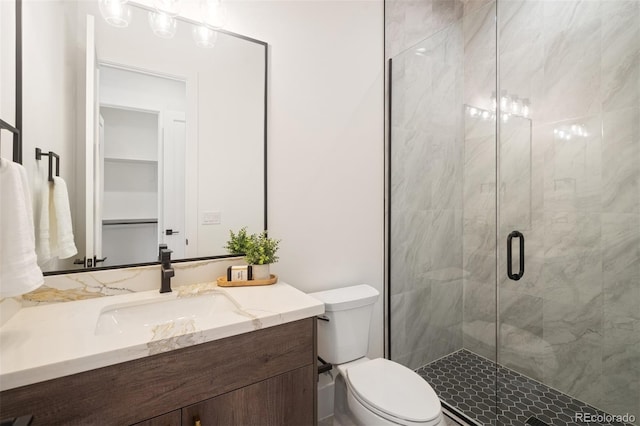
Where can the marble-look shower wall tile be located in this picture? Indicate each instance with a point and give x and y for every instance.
(408, 22)
(394, 27)
(540, 141)
(515, 173)
(621, 265)
(479, 238)
(469, 6)
(521, 23)
(574, 280)
(572, 164)
(521, 311)
(409, 171)
(621, 366)
(479, 57)
(398, 315)
(410, 249)
(621, 161)
(479, 174)
(418, 317)
(479, 326)
(522, 75)
(445, 326)
(445, 12)
(560, 16)
(446, 240)
(417, 22)
(571, 70)
(569, 234)
(575, 334)
(620, 54)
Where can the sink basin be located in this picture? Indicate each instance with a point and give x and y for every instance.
(162, 310)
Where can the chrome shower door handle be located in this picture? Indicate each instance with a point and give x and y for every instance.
(510, 274)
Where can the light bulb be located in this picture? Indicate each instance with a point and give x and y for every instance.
(163, 25)
(204, 37)
(214, 13)
(116, 12)
(169, 7)
(485, 115)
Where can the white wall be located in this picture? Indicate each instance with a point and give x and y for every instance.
(50, 127)
(325, 153)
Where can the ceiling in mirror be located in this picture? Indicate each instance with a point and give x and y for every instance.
(159, 124)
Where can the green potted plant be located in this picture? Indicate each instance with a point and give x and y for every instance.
(239, 242)
(261, 252)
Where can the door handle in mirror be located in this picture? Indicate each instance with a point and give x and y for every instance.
(171, 232)
(510, 274)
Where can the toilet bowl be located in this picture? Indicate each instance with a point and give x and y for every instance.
(369, 392)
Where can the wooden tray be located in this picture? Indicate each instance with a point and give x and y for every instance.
(222, 282)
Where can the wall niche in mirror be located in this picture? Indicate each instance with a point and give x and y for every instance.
(161, 136)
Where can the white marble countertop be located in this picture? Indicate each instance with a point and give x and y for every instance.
(45, 342)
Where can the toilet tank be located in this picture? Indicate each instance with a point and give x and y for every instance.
(345, 336)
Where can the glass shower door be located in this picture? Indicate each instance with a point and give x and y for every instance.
(569, 193)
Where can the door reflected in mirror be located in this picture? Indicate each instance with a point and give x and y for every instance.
(161, 140)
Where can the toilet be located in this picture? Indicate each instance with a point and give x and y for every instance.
(368, 392)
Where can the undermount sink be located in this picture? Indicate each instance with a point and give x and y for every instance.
(162, 310)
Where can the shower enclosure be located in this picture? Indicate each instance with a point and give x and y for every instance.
(514, 209)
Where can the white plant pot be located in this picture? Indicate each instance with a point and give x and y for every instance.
(261, 272)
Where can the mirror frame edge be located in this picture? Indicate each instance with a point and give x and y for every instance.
(17, 130)
(17, 150)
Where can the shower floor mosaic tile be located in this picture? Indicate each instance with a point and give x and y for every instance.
(466, 382)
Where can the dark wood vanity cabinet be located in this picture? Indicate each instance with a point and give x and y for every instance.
(266, 377)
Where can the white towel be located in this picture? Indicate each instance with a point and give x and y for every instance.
(63, 242)
(55, 229)
(19, 271)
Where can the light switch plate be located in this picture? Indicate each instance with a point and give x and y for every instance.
(211, 218)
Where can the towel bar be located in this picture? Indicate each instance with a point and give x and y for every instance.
(51, 155)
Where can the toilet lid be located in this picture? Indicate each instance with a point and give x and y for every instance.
(394, 389)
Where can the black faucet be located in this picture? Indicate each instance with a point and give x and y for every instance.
(167, 271)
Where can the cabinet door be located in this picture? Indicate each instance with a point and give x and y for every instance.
(172, 418)
(287, 399)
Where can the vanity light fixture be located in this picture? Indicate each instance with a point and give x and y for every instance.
(214, 14)
(169, 7)
(204, 36)
(162, 21)
(116, 12)
(162, 24)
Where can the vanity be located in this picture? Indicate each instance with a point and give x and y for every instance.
(201, 355)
